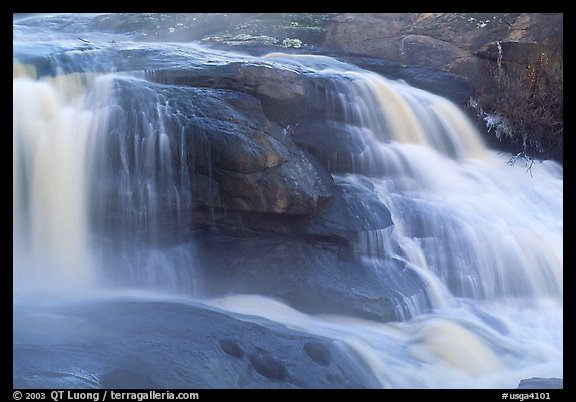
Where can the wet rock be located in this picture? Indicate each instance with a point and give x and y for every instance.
(229, 153)
(120, 338)
(231, 347)
(318, 352)
(541, 383)
(313, 277)
(268, 367)
(355, 208)
(123, 378)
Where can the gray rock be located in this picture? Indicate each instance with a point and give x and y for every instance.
(355, 208)
(541, 383)
(336, 146)
(144, 344)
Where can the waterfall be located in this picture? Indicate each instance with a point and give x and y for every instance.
(106, 180)
(459, 211)
(87, 159)
(483, 228)
(54, 124)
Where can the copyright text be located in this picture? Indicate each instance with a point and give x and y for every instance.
(103, 395)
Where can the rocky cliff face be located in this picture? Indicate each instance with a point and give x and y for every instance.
(479, 48)
(460, 43)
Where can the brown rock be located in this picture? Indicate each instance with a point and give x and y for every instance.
(455, 42)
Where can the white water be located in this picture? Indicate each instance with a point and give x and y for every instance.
(488, 345)
(54, 122)
(61, 131)
(486, 237)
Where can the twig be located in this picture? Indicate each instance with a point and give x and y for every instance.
(530, 167)
(523, 155)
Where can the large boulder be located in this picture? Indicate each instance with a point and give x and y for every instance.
(193, 346)
(262, 192)
(213, 145)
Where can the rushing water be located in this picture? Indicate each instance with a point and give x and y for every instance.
(484, 236)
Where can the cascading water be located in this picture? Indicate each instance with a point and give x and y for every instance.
(468, 222)
(52, 127)
(486, 237)
(103, 188)
(83, 161)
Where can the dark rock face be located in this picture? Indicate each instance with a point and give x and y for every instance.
(312, 277)
(239, 158)
(355, 208)
(335, 145)
(294, 188)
